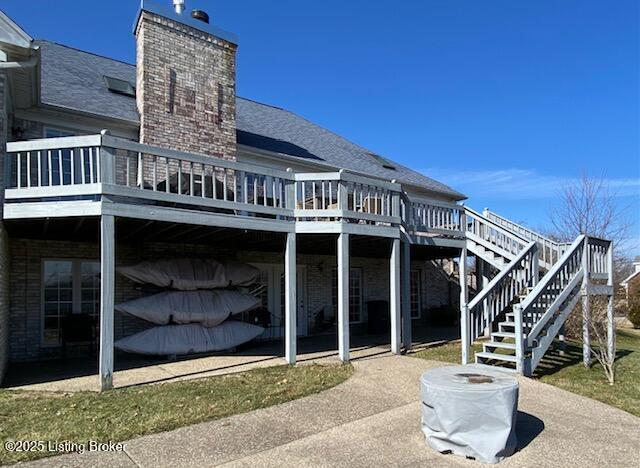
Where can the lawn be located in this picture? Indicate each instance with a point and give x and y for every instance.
(567, 371)
(122, 414)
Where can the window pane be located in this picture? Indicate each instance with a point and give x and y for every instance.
(65, 294)
(51, 295)
(90, 308)
(355, 294)
(51, 308)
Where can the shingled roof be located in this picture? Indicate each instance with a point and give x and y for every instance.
(74, 79)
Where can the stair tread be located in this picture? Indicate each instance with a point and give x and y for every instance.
(502, 334)
(497, 357)
(499, 344)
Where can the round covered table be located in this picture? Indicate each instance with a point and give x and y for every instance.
(470, 411)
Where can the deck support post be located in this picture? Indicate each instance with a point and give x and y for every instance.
(107, 290)
(343, 297)
(611, 324)
(394, 296)
(290, 301)
(482, 280)
(406, 295)
(586, 314)
(465, 333)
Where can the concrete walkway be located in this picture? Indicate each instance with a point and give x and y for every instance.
(373, 419)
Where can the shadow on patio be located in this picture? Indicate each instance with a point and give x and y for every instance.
(80, 373)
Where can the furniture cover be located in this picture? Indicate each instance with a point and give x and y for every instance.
(470, 411)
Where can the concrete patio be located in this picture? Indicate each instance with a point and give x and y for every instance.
(80, 374)
(373, 419)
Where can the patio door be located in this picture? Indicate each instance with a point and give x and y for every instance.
(272, 278)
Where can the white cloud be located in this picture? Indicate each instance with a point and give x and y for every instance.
(519, 184)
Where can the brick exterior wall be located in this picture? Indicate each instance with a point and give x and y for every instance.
(26, 284)
(4, 240)
(186, 87)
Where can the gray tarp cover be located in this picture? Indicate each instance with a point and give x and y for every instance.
(470, 419)
(189, 339)
(208, 308)
(189, 274)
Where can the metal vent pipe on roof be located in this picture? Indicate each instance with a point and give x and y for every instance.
(179, 6)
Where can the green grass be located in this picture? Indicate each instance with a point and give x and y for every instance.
(122, 414)
(568, 373)
(448, 352)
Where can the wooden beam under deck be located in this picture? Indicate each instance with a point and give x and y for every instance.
(199, 219)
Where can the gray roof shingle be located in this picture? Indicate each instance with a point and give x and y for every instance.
(74, 79)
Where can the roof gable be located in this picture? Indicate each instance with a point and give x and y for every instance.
(12, 34)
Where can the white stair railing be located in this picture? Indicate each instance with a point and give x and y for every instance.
(550, 251)
(549, 297)
(492, 235)
(502, 290)
(547, 307)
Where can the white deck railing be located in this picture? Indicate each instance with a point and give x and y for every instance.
(492, 235)
(96, 165)
(432, 216)
(499, 294)
(550, 251)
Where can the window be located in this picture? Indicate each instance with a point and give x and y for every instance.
(51, 132)
(415, 293)
(69, 287)
(118, 86)
(355, 294)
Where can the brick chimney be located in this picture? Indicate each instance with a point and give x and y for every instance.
(186, 82)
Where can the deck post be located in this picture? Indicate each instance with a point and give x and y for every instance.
(394, 295)
(465, 336)
(586, 314)
(290, 308)
(482, 280)
(107, 290)
(343, 297)
(406, 296)
(611, 324)
(107, 162)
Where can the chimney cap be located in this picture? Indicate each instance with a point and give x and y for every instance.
(165, 10)
(200, 15)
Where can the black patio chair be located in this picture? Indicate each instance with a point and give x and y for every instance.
(78, 329)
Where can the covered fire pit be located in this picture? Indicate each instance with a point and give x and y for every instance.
(470, 411)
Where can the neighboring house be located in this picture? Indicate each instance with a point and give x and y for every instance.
(186, 168)
(632, 280)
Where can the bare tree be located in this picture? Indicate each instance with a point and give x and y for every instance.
(587, 206)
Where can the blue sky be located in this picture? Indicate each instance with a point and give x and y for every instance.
(504, 100)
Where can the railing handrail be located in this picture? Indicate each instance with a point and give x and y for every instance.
(515, 264)
(347, 176)
(524, 228)
(128, 145)
(42, 144)
(544, 282)
(424, 201)
(495, 225)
